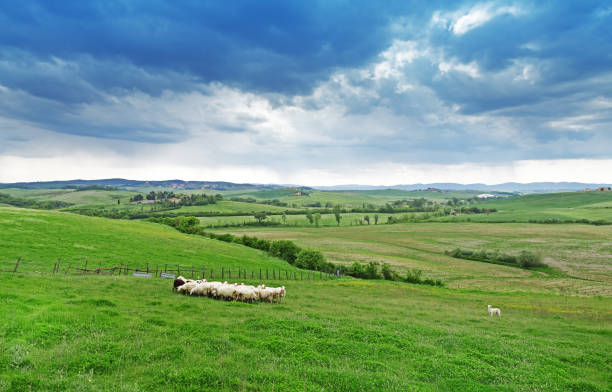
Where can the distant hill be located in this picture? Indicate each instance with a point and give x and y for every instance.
(123, 183)
(532, 187)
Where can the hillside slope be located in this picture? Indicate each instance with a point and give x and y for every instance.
(41, 237)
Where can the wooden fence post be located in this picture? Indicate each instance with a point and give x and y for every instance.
(147, 268)
(260, 274)
(229, 273)
(165, 267)
(204, 272)
(99, 267)
(68, 270)
(301, 275)
(294, 275)
(274, 274)
(252, 274)
(17, 264)
(222, 273)
(286, 276)
(266, 273)
(211, 273)
(178, 273)
(85, 266)
(320, 275)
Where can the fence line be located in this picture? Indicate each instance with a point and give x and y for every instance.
(190, 271)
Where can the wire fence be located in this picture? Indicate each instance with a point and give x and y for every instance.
(173, 270)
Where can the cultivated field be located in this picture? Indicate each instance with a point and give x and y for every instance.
(581, 254)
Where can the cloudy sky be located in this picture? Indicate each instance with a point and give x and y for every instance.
(308, 92)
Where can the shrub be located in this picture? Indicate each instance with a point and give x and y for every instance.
(284, 249)
(311, 259)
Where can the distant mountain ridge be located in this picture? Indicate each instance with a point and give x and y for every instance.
(504, 187)
(539, 187)
(123, 183)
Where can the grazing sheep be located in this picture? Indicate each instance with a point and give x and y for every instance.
(493, 311)
(229, 291)
(178, 282)
(226, 291)
(186, 288)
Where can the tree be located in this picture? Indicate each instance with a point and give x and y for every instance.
(151, 195)
(337, 215)
(367, 219)
(310, 259)
(284, 218)
(375, 219)
(309, 217)
(317, 219)
(260, 216)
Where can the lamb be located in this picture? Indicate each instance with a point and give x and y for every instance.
(493, 311)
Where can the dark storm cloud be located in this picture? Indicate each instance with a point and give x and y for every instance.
(487, 80)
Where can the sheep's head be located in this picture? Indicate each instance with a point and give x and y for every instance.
(178, 282)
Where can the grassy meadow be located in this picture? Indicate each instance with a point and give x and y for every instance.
(121, 333)
(581, 255)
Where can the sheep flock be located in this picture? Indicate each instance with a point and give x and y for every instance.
(229, 291)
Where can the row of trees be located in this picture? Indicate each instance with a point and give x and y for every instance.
(183, 200)
(297, 256)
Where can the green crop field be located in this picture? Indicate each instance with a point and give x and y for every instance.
(594, 206)
(354, 198)
(121, 333)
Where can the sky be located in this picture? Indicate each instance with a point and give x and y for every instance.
(306, 92)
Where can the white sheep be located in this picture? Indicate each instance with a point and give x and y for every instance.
(186, 288)
(493, 311)
(230, 291)
(226, 291)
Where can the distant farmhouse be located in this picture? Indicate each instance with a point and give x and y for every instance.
(600, 189)
(486, 196)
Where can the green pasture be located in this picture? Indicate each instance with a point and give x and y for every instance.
(327, 220)
(580, 255)
(561, 206)
(103, 333)
(41, 237)
(79, 198)
(61, 332)
(354, 199)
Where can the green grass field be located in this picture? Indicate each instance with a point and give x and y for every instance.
(562, 206)
(41, 237)
(354, 198)
(121, 333)
(327, 220)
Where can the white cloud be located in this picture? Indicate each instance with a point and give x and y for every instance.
(87, 166)
(464, 20)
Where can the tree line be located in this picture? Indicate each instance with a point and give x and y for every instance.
(297, 256)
